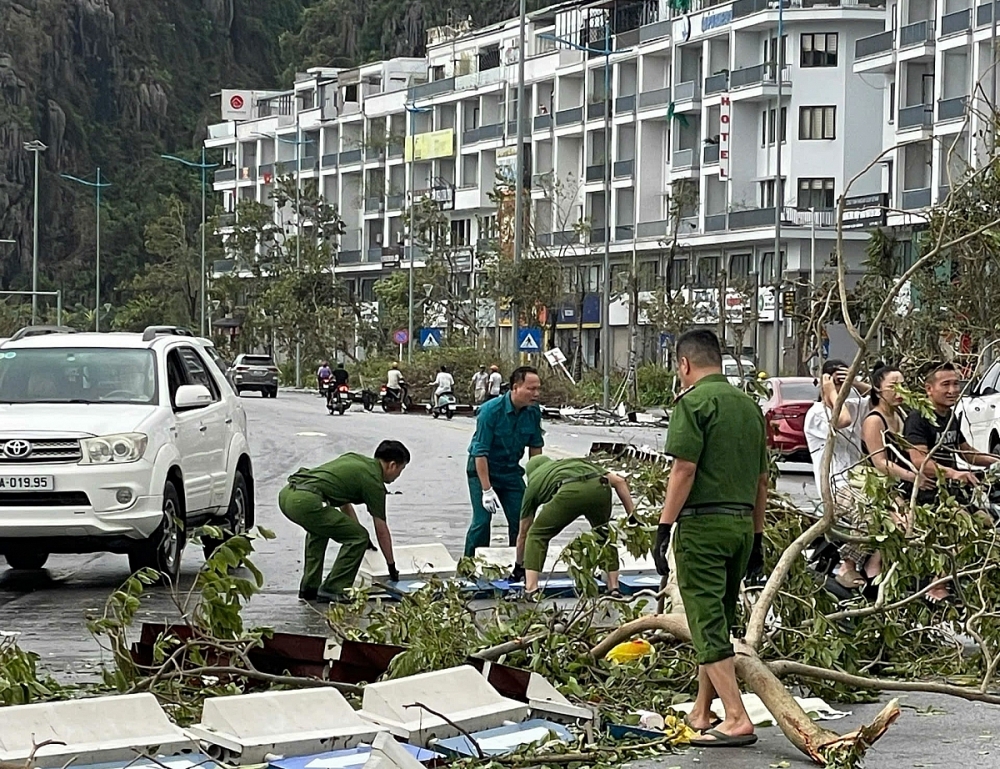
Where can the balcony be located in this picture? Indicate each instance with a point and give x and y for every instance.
(395, 202)
(655, 31)
(914, 199)
(624, 232)
(710, 154)
(248, 173)
(349, 257)
(569, 116)
(687, 91)
(596, 172)
(657, 98)
(716, 222)
(432, 88)
(598, 235)
(492, 131)
(625, 104)
(754, 217)
(543, 122)
(743, 8)
(682, 159)
(266, 170)
(374, 204)
(512, 127)
(351, 156)
(759, 74)
(225, 175)
(916, 34)
(656, 229)
(716, 83)
(917, 116)
(595, 110)
(227, 219)
(952, 109)
(373, 255)
(329, 161)
(284, 167)
(984, 15)
(565, 238)
(957, 22)
(624, 169)
(395, 149)
(873, 45)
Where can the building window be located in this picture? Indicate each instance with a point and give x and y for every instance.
(739, 265)
(816, 193)
(892, 103)
(708, 272)
(679, 272)
(819, 50)
(817, 122)
(368, 290)
(648, 274)
(769, 125)
(461, 232)
(488, 227)
(767, 193)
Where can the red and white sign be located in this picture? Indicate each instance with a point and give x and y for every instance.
(237, 105)
(725, 120)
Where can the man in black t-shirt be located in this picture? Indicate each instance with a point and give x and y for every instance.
(937, 444)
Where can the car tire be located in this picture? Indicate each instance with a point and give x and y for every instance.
(994, 445)
(274, 393)
(28, 561)
(238, 515)
(162, 550)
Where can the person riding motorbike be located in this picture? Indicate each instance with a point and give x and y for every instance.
(324, 373)
(395, 384)
(444, 383)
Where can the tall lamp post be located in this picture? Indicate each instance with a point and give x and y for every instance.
(36, 147)
(779, 193)
(411, 111)
(203, 167)
(97, 186)
(606, 278)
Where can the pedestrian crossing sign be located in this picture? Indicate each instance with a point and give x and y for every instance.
(430, 337)
(529, 339)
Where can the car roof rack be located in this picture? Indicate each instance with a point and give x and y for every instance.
(152, 332)
(29, 331)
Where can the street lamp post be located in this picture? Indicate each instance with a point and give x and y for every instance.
(606, 278)
(519, 171)
(411, 110)
(779, 194)
(36, 147)
(203, 167)
(97, 186)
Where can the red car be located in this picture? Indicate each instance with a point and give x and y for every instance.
(785, 403)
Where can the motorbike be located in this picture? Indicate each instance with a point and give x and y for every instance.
(338, 398)
(444, 404)
(325, 383)
(396, 401)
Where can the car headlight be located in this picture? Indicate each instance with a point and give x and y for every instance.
(126, 447)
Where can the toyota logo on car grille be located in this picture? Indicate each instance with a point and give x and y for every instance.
(16, 449)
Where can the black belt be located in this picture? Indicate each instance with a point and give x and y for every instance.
(715, 510)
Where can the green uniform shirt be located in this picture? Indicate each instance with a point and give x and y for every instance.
(721, 429)
(349, 479)
(502, 434)
(546, 481)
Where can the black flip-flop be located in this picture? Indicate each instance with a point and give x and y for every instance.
(722, 740)
(714, 723)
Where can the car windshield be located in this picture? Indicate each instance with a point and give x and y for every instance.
(256, 360)
(731, 369)
(77, 375)
(799, 391)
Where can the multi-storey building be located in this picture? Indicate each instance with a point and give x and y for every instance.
(935, 63)
(695, 131)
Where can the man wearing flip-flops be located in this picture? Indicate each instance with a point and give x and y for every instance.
(716, 496)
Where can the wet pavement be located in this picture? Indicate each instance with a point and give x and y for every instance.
(429, 503)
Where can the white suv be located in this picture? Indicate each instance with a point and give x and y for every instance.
(117, 443)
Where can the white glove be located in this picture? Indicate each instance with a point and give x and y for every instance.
(491, 501)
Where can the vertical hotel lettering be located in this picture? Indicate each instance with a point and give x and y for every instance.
(724, 123)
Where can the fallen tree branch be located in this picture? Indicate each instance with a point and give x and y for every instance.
(472, 740)
(301, 683)
(783, 668)
(493, 653)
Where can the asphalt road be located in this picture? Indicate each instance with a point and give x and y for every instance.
(429, 504)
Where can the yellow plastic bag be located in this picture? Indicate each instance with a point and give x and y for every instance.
(629, 651)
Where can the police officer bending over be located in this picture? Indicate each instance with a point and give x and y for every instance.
(716, 496)
(568, 489)
(322, 501)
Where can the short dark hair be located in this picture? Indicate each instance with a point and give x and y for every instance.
(701, 347)
(444, 369)
(930, 370)
(519, 374)
(393, 451)
(833, 365)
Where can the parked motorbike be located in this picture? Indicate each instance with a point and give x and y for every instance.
(338, 399)
(392, 400)
(443, 406)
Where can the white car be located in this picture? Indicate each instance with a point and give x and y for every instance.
(117, 443)
(980, 412)
(732, 370)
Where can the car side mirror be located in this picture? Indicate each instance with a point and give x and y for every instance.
(192, 397)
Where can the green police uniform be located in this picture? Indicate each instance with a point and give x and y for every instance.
(721, 430)
(313, 498)
(568, 489)
(502, 435)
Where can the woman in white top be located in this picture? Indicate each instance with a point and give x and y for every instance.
(444, 383)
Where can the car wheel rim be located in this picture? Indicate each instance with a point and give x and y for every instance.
(171, 536)
(239, 520)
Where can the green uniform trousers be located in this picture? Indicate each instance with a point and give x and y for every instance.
(590, 499)
(712, 551)
(510, 489)
(323, 523)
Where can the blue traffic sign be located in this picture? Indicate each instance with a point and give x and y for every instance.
(401, 336)
(430, 337)
(529, 339)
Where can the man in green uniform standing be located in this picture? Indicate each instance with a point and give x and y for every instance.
(568, 489)
(322, 501)
(505, 426)
(716, 495)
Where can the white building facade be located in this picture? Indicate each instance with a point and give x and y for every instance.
(695, 131)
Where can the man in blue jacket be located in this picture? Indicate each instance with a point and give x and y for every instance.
(505, 426)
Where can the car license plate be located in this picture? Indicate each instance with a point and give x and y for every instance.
(27, 483)
(258, 371)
